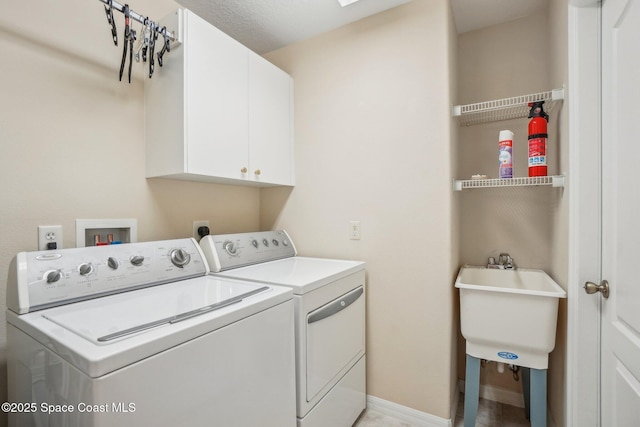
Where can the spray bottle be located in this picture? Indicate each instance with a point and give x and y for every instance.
(537, 139)
(505, 154)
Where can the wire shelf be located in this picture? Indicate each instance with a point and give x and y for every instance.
(554, 181)
(505, 109)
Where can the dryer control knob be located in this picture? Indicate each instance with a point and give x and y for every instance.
(229, 247)
(85, 269)
(136, 259)
(179, 257)
(254, 242)
(113, 263)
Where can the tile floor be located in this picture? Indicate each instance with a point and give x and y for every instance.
(490, 414)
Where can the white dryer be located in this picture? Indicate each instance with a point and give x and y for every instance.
(329, 298)
(140, 335)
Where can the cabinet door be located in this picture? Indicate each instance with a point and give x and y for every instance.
(216, 92)
(270, 123)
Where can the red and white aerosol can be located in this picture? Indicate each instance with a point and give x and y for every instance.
(505, 154)
(537, 139)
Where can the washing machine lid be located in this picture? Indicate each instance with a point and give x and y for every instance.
(104, 334)
(101, 321)
(302, 274)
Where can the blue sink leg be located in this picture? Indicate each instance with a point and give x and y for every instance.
(538, 397)
(471, 391)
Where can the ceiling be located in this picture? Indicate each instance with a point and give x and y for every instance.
(264, 26)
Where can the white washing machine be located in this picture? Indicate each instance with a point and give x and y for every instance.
(141, 335)
(329, 298)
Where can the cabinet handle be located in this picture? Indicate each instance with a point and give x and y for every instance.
(243, 170)
(257, 172)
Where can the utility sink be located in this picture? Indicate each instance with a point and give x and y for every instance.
(509, 315)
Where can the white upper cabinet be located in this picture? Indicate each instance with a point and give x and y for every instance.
(270, 122)
(218, 112)
(215, 100)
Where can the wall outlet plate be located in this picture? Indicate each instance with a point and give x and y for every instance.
(49, 237)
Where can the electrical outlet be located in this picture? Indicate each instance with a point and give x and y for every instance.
(354, 230)
(196, 226)
(49, 237)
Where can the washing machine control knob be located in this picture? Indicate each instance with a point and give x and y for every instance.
(230, 248)
(179, 257)
(85, 269)
(113, 263)
(254, 242)
(136, 260)
(52, 276)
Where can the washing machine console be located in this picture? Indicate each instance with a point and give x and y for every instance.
(237, 250)
(50, 278)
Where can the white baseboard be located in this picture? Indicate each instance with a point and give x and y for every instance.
(404, 413)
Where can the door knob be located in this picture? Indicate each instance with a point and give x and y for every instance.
(592, 288)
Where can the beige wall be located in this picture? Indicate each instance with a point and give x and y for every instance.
(72, 138)
(456, 349)
(527, 55)
(372, 106)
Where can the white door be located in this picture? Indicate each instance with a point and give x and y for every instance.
(620, 320)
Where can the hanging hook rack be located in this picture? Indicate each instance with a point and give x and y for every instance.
(148, 36)
(139, 18)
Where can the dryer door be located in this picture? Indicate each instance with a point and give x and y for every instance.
(335, 340)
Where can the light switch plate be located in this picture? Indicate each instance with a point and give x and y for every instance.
(354, 230)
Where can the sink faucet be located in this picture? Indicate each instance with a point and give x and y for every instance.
(506, 262)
